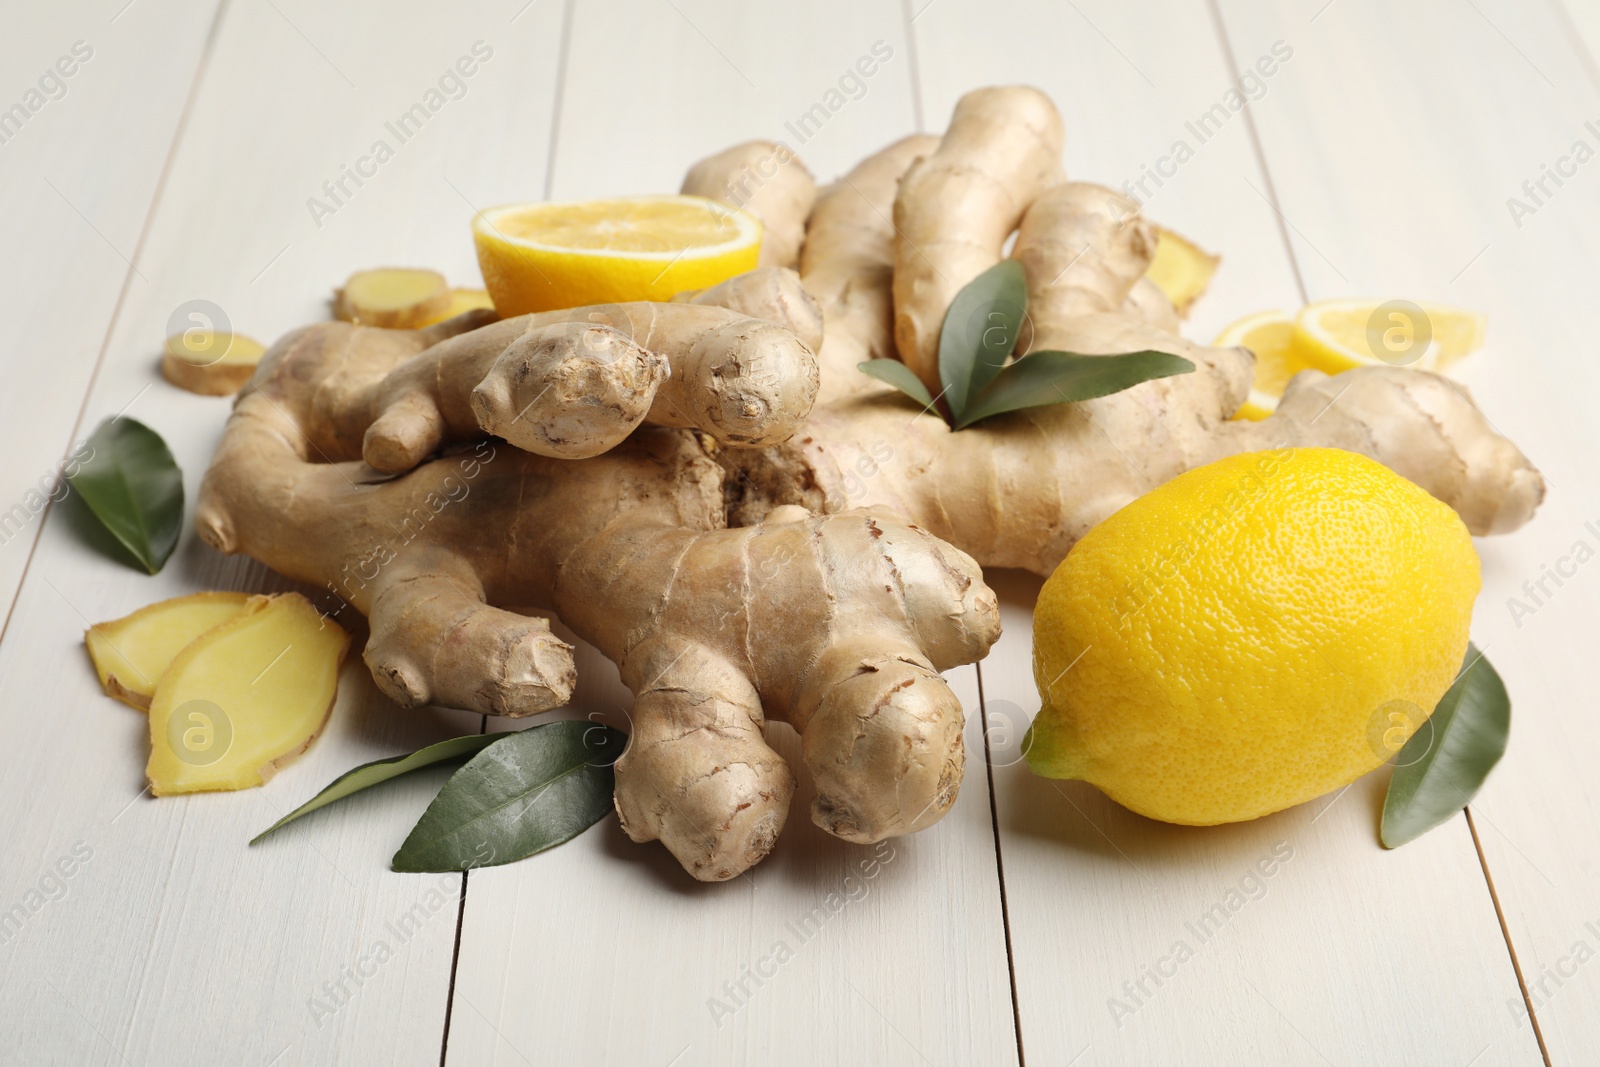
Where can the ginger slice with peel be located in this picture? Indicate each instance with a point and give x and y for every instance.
(461, 301)
(395, 298)
(245, 697)
(1181, 269)
(209, 362)
(131, 654)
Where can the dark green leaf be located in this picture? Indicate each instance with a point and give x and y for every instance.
(898, 375)
(979, 331)
(371, 774)
(1042, 378)
(1442, 766)
(527, 792)
(133, 486)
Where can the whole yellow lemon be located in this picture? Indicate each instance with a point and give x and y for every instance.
(1250, 635)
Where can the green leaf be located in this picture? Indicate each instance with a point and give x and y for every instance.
(378, 771)
(898, 375)
(979, 331)
(133, 486)
(1042, 378)
(527, 792)
(1442, 766)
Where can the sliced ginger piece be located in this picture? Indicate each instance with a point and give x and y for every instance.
(1181, 269)
(210, 362)
(395, 298)
(461, 301)
(131, 654)
(245, 697)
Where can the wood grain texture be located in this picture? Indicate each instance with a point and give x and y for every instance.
(1502, 92)
(176, 943)
(79, 168)
(605, 951)
(1099, 897)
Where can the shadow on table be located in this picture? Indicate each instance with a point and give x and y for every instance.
(1077, 817)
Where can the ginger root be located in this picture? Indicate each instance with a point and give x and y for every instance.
(245, 697)
(804, 618)
(209, 362)
(131, 654)
(395, 298)
(1019, 490)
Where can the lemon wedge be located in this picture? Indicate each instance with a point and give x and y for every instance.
(1266, 333)
(1340, 335)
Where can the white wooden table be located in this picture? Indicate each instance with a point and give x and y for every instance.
(1036, 923)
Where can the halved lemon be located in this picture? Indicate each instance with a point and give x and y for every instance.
(1266, 333)
(539, 257)
(1340, 335)
(1457, 332)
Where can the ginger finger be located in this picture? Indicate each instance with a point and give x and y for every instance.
(742, 380)
(774, 294)
(955, 208)
(698, 775)
(570, 390)
(848, 264)
(769, 182)
(1083, 248)
(435, 641)
(1147, 303)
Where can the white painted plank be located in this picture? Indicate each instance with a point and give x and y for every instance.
(79, 166)
(1500, 92)
(720, 73)
(175, 943)
(1095, 894)
(1129, 88)
(605, 951)
(1581, 20)
(1311, 960)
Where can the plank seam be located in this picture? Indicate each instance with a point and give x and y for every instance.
(1000, 868)
(455, 953)
(1579, 46)
(1505, 932)
(1260, 154)
(560, 96)
(914, 70)
(122, 296)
